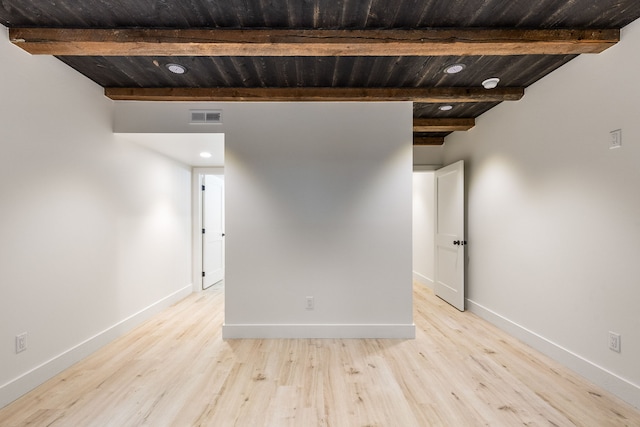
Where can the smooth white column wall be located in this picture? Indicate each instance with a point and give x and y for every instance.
(318, 203)
(554, 215)
(94, 231)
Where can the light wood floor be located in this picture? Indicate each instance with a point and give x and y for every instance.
(176, 370)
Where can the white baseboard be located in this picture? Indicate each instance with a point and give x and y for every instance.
(407, 331)
(598, 375)
(423, 280)
(47, 370)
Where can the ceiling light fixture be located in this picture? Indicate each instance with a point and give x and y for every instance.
(205, 155)
(454, 69)
(491, 83)
(445, 107)
(176, 68)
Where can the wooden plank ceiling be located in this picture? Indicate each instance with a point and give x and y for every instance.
(321, 50)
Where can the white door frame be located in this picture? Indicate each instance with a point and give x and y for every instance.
(196, 221)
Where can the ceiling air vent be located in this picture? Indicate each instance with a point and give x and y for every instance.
(205, 116)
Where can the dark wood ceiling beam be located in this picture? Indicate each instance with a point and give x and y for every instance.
(428, 140)
(442, 124)
(285, 42)
(321, 94)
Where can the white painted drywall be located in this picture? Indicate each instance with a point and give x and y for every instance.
(318, 203)
(554, 214)
(423, 227)
(318, 200)
(428, 155)
(95, 231)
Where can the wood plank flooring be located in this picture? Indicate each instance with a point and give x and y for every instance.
(175, 370)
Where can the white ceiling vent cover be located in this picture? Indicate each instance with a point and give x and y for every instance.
(205, 116)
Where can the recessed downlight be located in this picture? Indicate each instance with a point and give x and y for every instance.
(445, 107)
(491, 83)
(205, 155)
(176, 68)
(454, 68)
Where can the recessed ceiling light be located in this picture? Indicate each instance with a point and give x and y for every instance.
(491, 83)
(176, 68)
(205, 155)
(445, 107)
(454, 69)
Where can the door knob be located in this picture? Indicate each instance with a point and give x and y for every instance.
(459, 242)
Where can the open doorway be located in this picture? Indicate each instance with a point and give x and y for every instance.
(208, 227)
(423, 225)
(439, 243)
(212, 230)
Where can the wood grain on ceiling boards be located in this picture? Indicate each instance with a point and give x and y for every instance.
(319, 13)
(286, 42)
(321, 50)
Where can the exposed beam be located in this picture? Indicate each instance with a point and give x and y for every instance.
(428, 140)
(320, 94)
(285, 42)
(442, 125)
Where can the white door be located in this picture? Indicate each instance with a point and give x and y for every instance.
(449, 230)
(213, 230)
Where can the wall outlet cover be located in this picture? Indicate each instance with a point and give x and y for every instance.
(310, 303)
(614, 342)
(21, 343)
(616, 138)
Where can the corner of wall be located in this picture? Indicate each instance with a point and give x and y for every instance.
(47, 370)
(613, 383)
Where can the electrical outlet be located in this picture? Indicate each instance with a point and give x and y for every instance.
(616, 139)
(310, 303)
(21, 343)
(614, 342)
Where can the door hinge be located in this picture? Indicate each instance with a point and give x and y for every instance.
(203, 188)
(203, 274)
(203, 231)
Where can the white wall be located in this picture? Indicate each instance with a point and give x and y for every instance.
(423, 227)
(95, 232)
(318, 203)
(554, 215)
(318, 200)
(427, 155)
